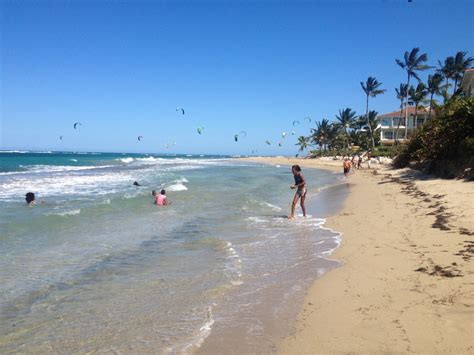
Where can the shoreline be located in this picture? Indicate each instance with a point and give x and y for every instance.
(406, 279)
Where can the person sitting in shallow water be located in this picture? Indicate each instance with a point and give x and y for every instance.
(135, 183)
(30, 199)
(161, 199)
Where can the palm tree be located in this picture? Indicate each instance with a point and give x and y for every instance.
(346, 120)
(461, 63)
(412, 63)
(303, 142)
(321, 133)
(434, 88)
(447, 69)
(371, 88)
(417, 96)
(373, 122)
(402, 92)
(333, 134)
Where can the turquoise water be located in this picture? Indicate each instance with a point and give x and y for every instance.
(95, 266)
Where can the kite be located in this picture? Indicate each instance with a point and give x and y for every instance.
(200, 129)
(140, 138)
(236, 137)
(295, 122)
(283, 135)
(280, 144)
(179, 109)
(244, 133)
(308, 118)
(61, 137)
(293, 133)
(268, 142)
(77, 124)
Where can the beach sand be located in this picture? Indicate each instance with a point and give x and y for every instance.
(407, 279)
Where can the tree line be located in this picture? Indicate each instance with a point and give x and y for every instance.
(350, 129)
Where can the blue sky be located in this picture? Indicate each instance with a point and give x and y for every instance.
(122, 68)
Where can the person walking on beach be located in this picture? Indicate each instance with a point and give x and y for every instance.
(359, 163)
(346, 165)
(300, 194)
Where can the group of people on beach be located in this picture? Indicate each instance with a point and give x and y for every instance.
(160, 199)
(354, 163)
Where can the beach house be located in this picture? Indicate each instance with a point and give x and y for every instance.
(389, 122)
(467, 83)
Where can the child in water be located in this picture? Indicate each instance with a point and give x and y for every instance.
(161, 199)
(300, 184)
(30, 199)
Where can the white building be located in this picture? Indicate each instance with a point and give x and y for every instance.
(388, 124)
(467, 83)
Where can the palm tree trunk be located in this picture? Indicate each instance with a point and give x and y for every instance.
(431, 104)
(406, 107)
(399, 120)
(368, 123)
(416, 115)
(455, 85)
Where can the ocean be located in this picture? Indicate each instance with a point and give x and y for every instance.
(95, 266)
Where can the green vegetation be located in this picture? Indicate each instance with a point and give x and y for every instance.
(445, 145)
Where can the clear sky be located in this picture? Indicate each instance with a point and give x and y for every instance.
(121, 68)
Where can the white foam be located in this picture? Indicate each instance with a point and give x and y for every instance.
(273, 207)
(66, 213)
(202, 334)
(74, 160)
(177, 187)
(125, 160)
(257, 219)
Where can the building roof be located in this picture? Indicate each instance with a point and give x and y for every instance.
(411, 112)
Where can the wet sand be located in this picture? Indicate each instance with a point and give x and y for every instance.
(407, 280)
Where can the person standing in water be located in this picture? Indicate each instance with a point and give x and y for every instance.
(300, 194)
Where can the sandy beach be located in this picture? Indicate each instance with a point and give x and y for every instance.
(406, 283)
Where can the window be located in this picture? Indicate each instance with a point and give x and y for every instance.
(386, 122)
(387, 135)
(396, 119)
(420, 121)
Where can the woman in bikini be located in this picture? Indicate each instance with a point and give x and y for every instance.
(300, 194)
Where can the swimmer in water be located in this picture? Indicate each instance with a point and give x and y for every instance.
(135, 183)
(300, 185)
(161, 199)
(30, 199)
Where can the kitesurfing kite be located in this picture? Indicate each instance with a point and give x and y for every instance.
(77, 124)
(140, 138)
(200, 129)
(280, 144)
(308, 119)
(61, 137)
(295, 122)
(179, 109)
(236, 137)
(293, 133)
(283, 135)
(268, 142)
(244, 133)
